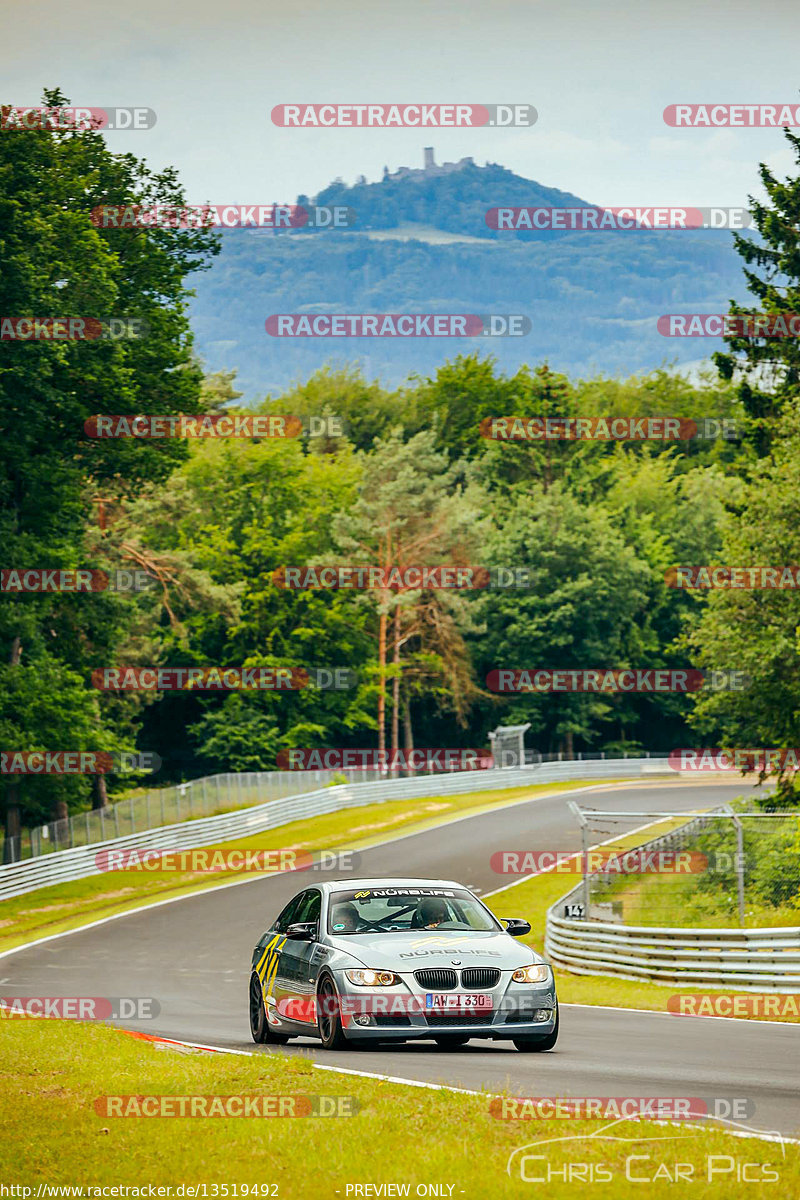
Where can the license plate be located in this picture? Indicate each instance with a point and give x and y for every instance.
(446, 1001)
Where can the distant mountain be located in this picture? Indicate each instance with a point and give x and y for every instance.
(455, 199)
(593, 298)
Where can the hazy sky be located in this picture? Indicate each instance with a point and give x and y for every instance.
(599, 77)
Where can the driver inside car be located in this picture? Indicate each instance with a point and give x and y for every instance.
(431, 912)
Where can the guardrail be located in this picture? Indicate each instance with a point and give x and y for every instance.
(65, 865)
(154, 807)
(746, 960)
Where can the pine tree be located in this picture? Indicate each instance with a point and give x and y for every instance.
(771, 383)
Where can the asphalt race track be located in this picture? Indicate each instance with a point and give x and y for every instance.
(193, 956)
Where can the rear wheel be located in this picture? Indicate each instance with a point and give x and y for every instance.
(329, 1022)
(451, 1041)
(259, 1026)
(531, 1045)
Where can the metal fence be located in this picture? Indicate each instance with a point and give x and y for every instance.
(749, 960)
(81, 860)
(734, 852)
(157, 807)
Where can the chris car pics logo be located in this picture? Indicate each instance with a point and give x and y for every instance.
(651, 1159)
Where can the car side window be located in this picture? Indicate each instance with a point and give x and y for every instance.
(311, 907)
(288, 915)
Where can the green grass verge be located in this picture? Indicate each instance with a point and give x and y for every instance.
(535, 896)
(678, 901)
(53, 1072)
(64, 906)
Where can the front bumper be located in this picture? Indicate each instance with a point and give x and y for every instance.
(518, 1012)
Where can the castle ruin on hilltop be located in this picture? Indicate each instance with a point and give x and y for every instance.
(430, 168)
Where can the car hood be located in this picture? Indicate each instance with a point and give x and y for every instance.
(428, 948)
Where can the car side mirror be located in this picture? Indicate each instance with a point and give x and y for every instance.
(516, 926)
(304, 931)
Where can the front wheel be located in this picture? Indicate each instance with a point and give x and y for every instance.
(259, 1025)
(532, 1045)
(329, 1022)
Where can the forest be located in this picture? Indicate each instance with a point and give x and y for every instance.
(377, 475)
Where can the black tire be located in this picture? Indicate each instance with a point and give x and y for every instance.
(259, 1026)
(452, 1041)
(329, 1021)
(533, 1045)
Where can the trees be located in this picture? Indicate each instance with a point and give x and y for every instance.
(586, 607)
(409, 512)
(467, 391)
(366, 409)
(413, 482)
(58, 264)
(237, 512)
(598, 524)
(756, 630)
(771, 364)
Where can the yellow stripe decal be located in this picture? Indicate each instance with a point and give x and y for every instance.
(262, 960)
(268, 966)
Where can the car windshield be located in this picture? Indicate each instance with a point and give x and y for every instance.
(400, 909)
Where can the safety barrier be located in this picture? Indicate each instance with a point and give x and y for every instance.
(81, 861)
(744, 960)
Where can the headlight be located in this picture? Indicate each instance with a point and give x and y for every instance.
(537, 973)
(373, 978)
